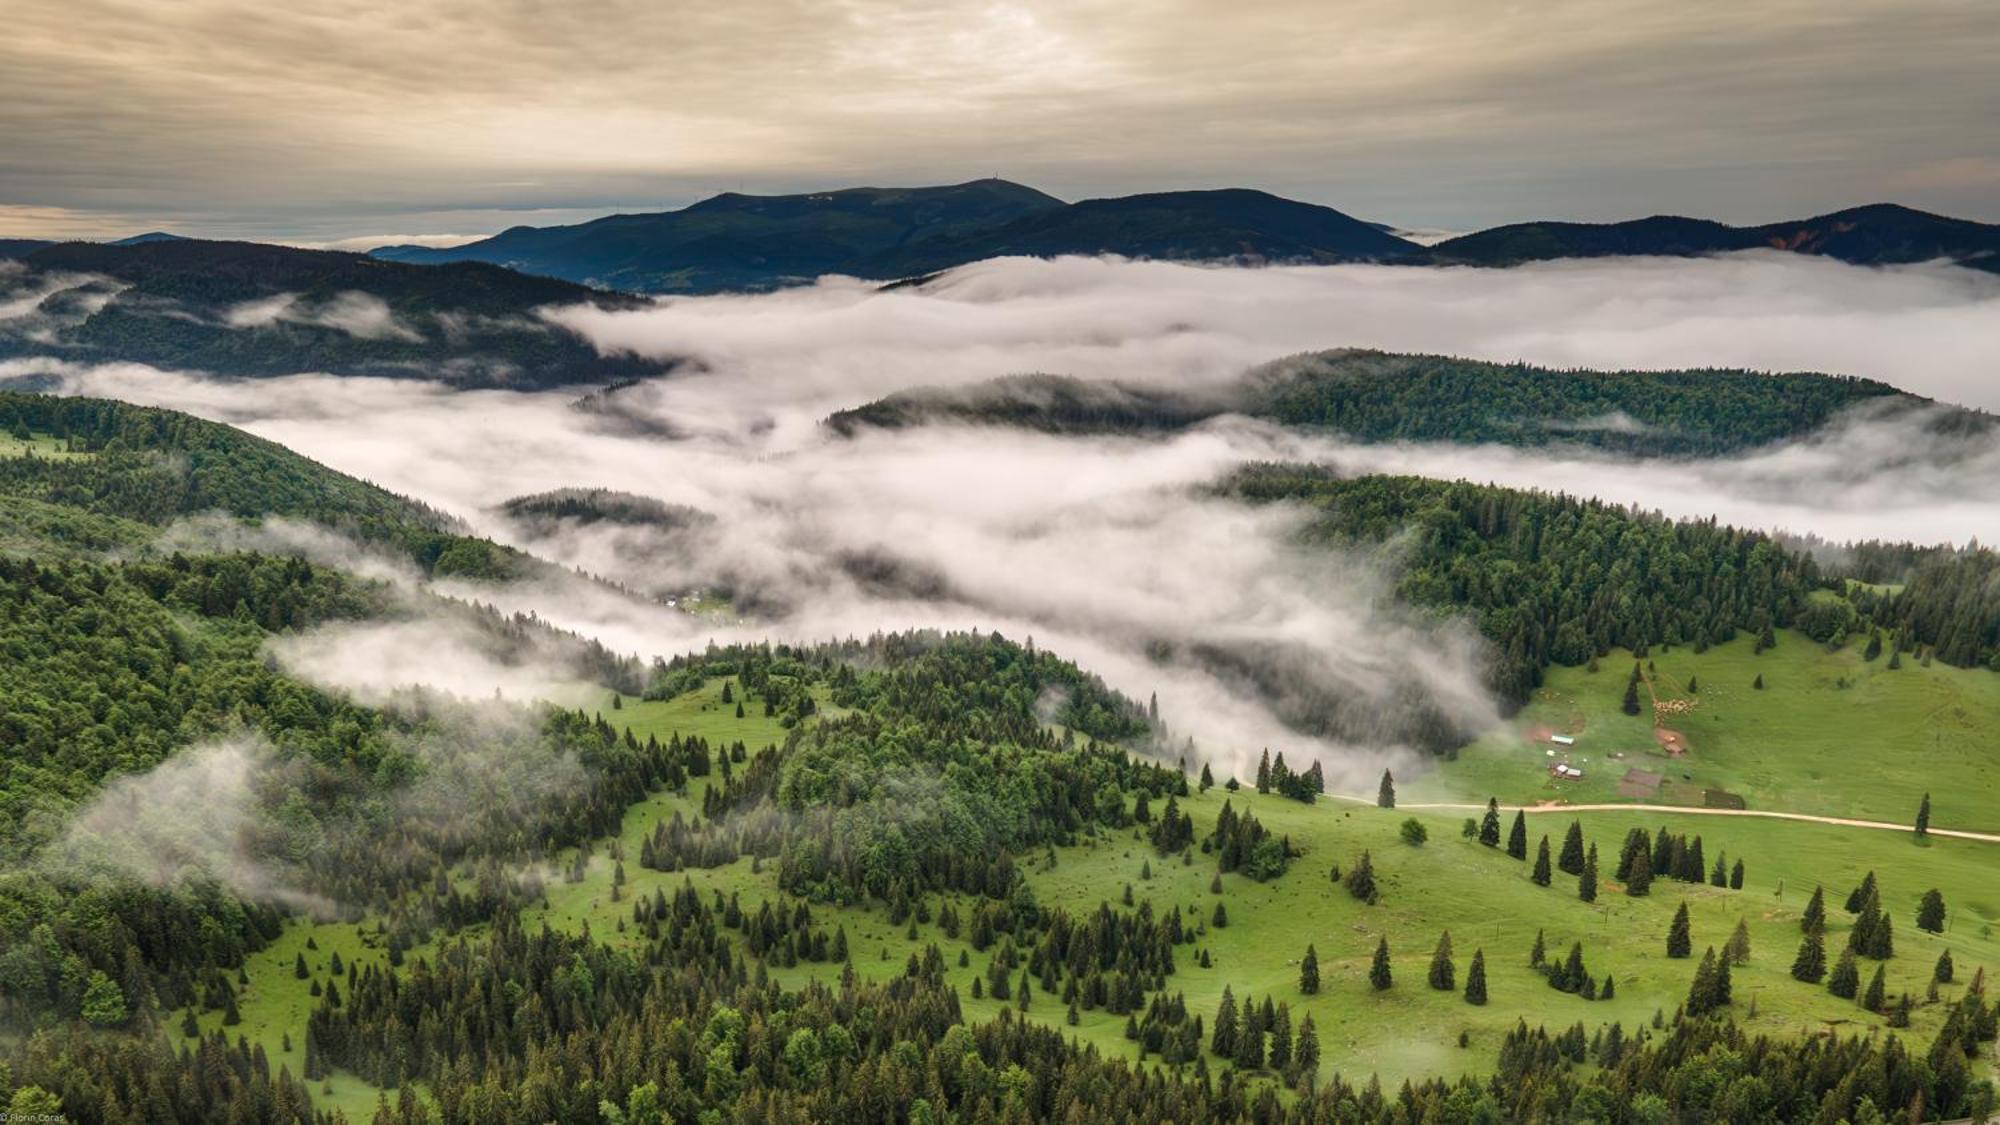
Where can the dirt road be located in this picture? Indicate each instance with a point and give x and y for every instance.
(1685, 810)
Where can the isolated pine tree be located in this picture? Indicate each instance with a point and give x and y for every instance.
(1738, 948)
(1541, 873)
(1361, 879)
(1924, 817)
(1309, 972)
(1630, 704)
(1758, 683)
(1378, 972)
(1517, 836)
(1539, 955)
(1944, 971)
(1489, 828)
(1586, 884)
(1736, 876)
(1475, 978)
(1930, 913)
(1679, 940)
(1207, 778)
(1861, 893)
(1385, 796)
(1571, 859)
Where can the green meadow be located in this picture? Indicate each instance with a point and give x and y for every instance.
(1829, 734)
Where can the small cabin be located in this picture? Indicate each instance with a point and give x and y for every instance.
(1563, 739)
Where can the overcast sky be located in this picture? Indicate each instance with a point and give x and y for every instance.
(377, 119)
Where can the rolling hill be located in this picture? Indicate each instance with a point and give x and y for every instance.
(1877, 234)
(1375, 397)
(248, 309)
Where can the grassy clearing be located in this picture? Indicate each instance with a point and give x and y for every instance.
(41, 445)
(1829, 734)
(275, 1003)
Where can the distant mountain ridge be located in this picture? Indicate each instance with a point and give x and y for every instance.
(1877, 234)
(761, 242)
(741, 242)
(242, 308)
(734, 241)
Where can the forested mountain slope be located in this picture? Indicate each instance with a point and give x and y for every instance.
(1377, 397)
(239, 308)
(92, 473)
(1558, 580)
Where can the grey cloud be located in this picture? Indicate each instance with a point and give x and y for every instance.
(221, 117)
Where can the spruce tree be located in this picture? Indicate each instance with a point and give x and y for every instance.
(1738, 948)
(1679, 941)
(1475, 978)
(1810, 964)
(1861, 893)
(1361, 879)
(1877, 986)
(1571, 859)
(1378, 972)
(1846, 978)
(1489, 829)
(1541, 874)
(1814, 919)
(1305, 1052)
(1385, 796)
(1701, 994)
(1630, 704)
(1517, 837)
(1586, 884)
(1930, 913)
(1944, 971)
(1736, 876)
(1309, 972)
(1539, 955)
(1640, 882)
(1223, 1042)
(1443, 975)
(1924, 817)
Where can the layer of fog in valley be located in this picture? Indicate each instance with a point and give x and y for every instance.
(1109, 550)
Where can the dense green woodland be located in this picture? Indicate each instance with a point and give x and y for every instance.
(1556, 580)
(1381, 397)
(150, 467)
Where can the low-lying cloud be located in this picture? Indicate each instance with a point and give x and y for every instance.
(1108, 550)
(360, 315)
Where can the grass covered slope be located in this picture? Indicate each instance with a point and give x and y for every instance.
(1485, 898)
(1380, 397)
(1829, 733)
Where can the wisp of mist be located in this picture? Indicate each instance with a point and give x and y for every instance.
(1109, 550)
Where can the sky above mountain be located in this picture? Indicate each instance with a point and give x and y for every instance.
(379, 120)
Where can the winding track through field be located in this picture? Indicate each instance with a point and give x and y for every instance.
(1843, 822)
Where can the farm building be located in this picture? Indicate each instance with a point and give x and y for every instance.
(1563, 739)
(1566, 771)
